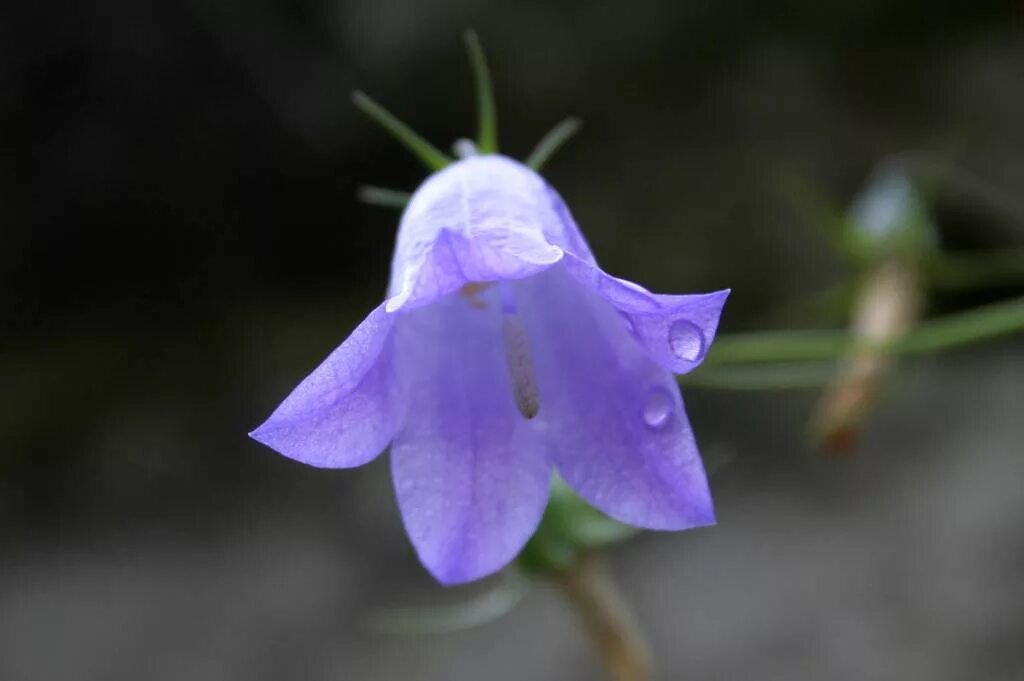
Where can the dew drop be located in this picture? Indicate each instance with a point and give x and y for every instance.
(685, 340)
(658, 408)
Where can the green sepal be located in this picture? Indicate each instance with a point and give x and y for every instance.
(552, 142)
(570, 527)
(487, 115)
(430, 155)
(383, 197)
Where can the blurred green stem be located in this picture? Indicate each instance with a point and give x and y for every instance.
(942, 333)
(964, 328)
(606, 618)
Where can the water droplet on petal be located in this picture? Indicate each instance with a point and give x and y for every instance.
(685, 340)
(658, 408)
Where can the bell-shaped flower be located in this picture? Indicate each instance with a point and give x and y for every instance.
(504, 353)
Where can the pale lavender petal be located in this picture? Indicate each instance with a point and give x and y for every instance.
(471, 473)
(564, 232)
(676, 331)
(345, 412)
(485, 218)
(614, 417)
(455, 260)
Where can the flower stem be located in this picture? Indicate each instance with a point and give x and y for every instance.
(606, 618)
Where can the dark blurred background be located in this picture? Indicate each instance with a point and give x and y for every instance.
(180, 243)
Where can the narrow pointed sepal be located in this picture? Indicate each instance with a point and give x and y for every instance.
(552, 142)
(487, 113)
(431, 156)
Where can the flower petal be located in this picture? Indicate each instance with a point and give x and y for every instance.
(455, 260)
(485, 218)
(615, 419)
(347, 410)
(471, 473)
(676, 330)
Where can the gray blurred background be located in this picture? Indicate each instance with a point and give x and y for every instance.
(180, 244)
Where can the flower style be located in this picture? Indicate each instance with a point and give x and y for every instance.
(503, 352)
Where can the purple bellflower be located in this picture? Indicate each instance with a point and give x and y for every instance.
(501, 354)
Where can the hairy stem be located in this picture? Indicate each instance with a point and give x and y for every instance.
(609, 625)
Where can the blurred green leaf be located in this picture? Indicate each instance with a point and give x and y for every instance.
(940, 333)
(965, 328)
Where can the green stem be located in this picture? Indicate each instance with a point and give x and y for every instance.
(606, 619)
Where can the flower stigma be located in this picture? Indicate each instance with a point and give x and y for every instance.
(517, 355)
